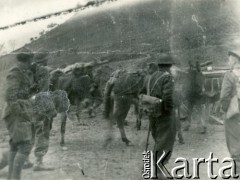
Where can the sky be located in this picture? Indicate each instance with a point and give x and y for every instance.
(12, 11)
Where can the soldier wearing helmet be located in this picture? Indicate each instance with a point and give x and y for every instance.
(41, 70)
(42, 120)
(161, 118)
(16, 114)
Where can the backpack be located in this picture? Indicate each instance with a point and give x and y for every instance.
(152, 105)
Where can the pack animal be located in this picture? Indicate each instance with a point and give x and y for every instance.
(77, 86)
(121, 91)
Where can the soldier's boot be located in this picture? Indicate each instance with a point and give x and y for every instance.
(39, 166)
(18, 165)
(28, 164)
(11, 158)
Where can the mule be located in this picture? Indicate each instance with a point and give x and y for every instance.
(77, 86)
(121, 91)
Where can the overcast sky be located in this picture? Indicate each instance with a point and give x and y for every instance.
(12, 11)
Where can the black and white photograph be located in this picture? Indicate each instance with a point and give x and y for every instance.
(119, 89)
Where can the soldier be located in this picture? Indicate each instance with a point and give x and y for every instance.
(177, 100)
(16, 114)
(229, 92)
(107, 91)
(41, 71)
(42, 120)
(161, 119)
(194, 95)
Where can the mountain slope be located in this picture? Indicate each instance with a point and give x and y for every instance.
(191, 29)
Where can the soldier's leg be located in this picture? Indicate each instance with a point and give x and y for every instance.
(137, 113)
(42, 144)
(28, 163)
(179, 127)
(24, 149)
(203, 116)
(4, 159)
(164, 139)
(190, 107)
(63, 127)
(12, 154)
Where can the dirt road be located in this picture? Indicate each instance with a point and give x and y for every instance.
(87, 159)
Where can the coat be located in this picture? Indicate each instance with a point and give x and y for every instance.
(162, 124)
(42, 78)
(161, 86)
(227, 90)
(231, 125)
(16, 114)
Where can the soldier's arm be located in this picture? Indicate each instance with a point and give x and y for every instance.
(43, 82)
(226, 92)
(167, 91)
(13, 86)
(143, 90)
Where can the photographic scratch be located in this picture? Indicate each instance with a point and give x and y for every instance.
(194, 19)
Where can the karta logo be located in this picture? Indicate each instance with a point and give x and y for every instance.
(152, 166)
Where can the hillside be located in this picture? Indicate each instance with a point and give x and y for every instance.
(191, 29)
(119, 31)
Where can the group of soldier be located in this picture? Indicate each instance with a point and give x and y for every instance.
(30, 79)
(163, 121)
(29, 111)
(33, 100)
(31, 76)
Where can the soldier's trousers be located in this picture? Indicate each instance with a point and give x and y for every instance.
(41, 133)
(201, 109)
(163, 132)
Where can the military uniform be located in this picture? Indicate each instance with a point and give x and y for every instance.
(43, 123)
(17, 113)
(161, 118)
(195, 97)
(162, 121)
(231, 125)
(43, 112)
(42, 78)
(42, 120)
(177, 96)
